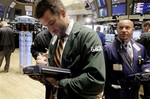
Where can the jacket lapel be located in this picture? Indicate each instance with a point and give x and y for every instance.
(70, 42)
(53, 45)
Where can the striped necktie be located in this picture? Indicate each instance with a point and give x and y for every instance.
(58, 53)
(130, 52)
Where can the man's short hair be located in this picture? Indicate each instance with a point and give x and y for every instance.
(98, 28)
(54, 6)
(147, 23)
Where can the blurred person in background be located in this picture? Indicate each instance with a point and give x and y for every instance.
(101, 35)
(41, 43)
(145, 41)
(7, 44)
(145, 36)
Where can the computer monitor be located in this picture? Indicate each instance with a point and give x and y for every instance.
(101, 3)
(2, 7)
(1, 14)
(109, 37)
(102, 12)
(29, 13)
(141, 8)
(119, 9)
(8, 12)
(136, 34)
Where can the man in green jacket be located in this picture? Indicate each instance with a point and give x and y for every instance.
(82, 54)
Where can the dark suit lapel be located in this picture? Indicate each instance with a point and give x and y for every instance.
(70, 41)
(126, 55)
(135, 54)
(53, 45)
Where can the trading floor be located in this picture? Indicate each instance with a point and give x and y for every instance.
(15, 85)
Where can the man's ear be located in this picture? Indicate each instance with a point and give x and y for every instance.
(63, 12)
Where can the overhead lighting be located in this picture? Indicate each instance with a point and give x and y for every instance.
(88, 20)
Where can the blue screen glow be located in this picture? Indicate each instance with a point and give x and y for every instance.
(119, 9)
(141, 8)
(2, 7)
(103, 12)
(101, 3)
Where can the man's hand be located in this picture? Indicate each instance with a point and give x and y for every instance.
(42, 60)
(100, 96)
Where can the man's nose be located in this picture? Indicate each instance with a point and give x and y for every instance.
(124, 29)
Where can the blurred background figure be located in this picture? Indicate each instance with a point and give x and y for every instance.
(101, 35)
(7, 44)
(145, 37)
(41, 43)
(145, 41)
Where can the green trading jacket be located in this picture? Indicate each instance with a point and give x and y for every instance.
(83, 55)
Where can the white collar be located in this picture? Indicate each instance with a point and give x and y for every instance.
(69, 28)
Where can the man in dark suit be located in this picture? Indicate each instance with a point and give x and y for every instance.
(7, 44)
(82, 53)
(124, 57)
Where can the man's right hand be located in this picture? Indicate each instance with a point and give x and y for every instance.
(42, 60)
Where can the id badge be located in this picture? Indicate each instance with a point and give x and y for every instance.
(117, 67)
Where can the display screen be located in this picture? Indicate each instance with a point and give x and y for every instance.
(119, 9)
(8, 12)
(141, 8)
(136, 34)
(109, 37)
(2, 7)
(1, 14)
(118, 1)
(103, 12)
(29, 13)
(101, 3)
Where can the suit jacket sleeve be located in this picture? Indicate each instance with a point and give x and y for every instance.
(12, 38)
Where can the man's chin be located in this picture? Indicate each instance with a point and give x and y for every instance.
(56, 33)
(125, 39)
